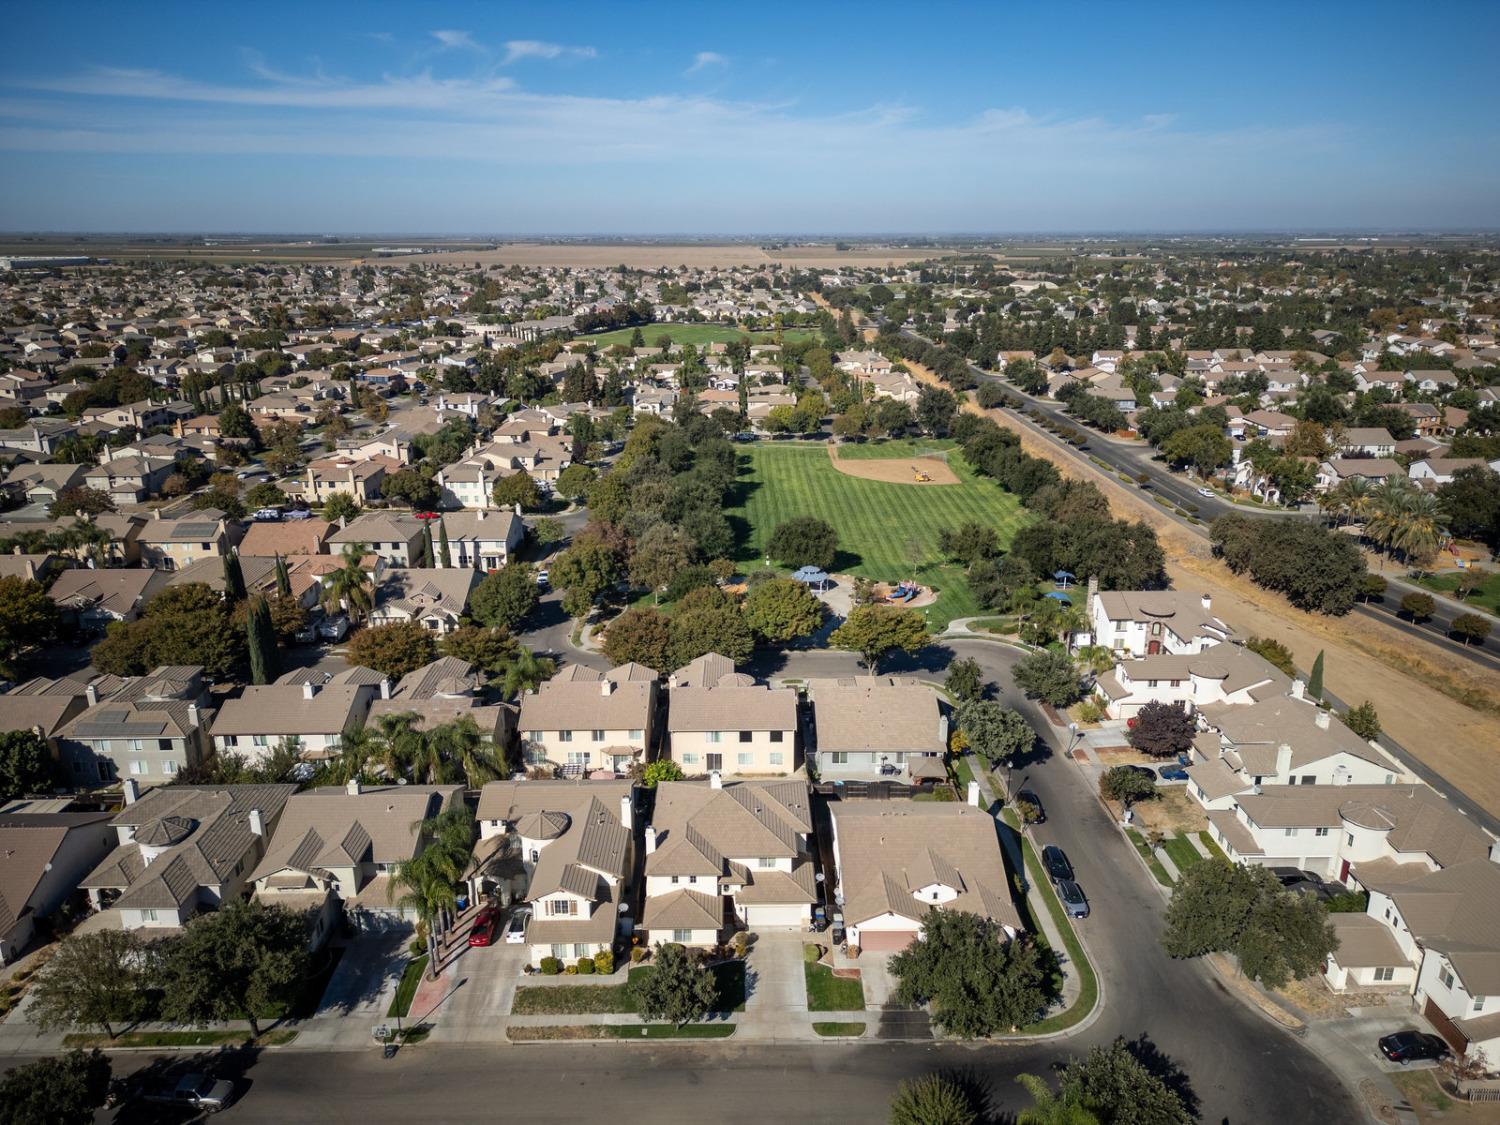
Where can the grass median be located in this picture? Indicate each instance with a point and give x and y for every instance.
(1088, 982)
(411, 977)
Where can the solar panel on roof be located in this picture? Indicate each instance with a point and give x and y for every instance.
(197, 530)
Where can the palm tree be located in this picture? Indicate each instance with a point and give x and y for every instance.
(1094, 659)
(349, 586)
(1050, 1108)
(526, 672)
(1354, 497)
(464, 752)
(1387, 503)
(396, 745)
(429, 882)
(1423, 526)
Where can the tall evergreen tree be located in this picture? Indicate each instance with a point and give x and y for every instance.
(234, 578)
(261, 635)
(283, 579)
(445, 558)
(426, 560)
(1315, 681)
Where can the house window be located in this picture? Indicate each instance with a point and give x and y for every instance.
(745, 759)
(164, 745)
(598, 735)
(148, 915)
(169, 767)
(839, 757)
(559, 951)
(562, 907)
(565, 736)
(1150, 683)
(776, 735)
(580, 949)
(578, 757)
(1309, 779)
(1290, 831)
(765, 861)
(137, 768)
(690, 759)
(747, 735)
(135, 744)
(777, 758)
(1320, 831)
(1350, 837)
(714, 736)
(1446, 976)
(682, 935)
(1479, 1003)
(676, 879)
(1385, 972)
(258, 740)
(637, 734)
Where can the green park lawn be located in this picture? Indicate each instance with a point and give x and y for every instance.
(886, 531)
(1486, 599)
(894, 447)
(695, 334)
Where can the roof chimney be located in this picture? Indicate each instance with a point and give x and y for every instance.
(627, 812)
(132, 791)
(257, 823)
(1283, 760)
(309, 689)
(974, 793)
(518, 509)
(650, 839)
(1298, 688)
(91, 693)
(354, 788)
(479, 515)
(606, 687)
(1208, 603)
(715, 779)
(193, 714)
(1321, 718)
(385, 688)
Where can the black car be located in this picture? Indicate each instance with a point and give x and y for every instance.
(1302, 882)
(1412, 1046)
(1038, 814)
(1056, 863)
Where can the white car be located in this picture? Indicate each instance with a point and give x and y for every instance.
(515, 925)
(1206, 492)
(334, 628)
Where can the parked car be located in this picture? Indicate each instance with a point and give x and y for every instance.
(307, 634)
(1301, 882)
(267, 515)
(1036, 814)
(1072, 899)
(1056, 863)
(515, 925)
(298, 514)
(1206, 492)
(1412, 1046)
(334, 628)
(542, 579)
(1173, 773)
(486, 922)
(200, 1091)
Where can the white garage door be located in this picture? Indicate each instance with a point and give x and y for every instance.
(775, 917)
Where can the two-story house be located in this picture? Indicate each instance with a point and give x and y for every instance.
(43, 855)
(394, 537)
(182, 849)
(575, 841)
(720, 856)
(721, 721)
(171, 544)
(483, 539)
(874, 727)
(148, 728)
(1227, 673)
(313, 716)
(1146, 622)
(434, 598)
(584, 720)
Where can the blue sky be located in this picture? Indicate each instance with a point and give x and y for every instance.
(736, 118)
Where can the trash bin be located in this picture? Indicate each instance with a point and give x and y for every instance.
(463, 902)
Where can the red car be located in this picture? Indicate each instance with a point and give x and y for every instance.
(486, 922)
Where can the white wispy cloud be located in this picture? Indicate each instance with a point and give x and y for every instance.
(536, 49)
(706, 59)
(456, 41)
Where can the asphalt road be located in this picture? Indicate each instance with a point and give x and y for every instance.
(1135, 459)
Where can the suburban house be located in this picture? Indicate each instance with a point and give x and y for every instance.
(129, 480)
(1229, 674)
(338, 847)
(41, 484)
(441, 692)
(395, 537)
(584, 720)
(1441, 470)
(91, 598)
(1336, 470)
(433, 598)
(1372, 441)
(313, 716)
(724, 856)
(483, 539)
(1284, 740)
(1146, 622)
(148, 729)
(721, 721)
(873, 727)
(171, 544)
(182, 849)
(896, 860)
(292, 537)
(43, 855)
(44, 706)
(360, 479)
(575, 842)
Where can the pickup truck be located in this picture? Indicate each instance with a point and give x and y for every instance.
(200, 1091)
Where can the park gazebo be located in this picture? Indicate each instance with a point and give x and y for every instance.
(812, 576)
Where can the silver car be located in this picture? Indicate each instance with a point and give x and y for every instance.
(201, 1091)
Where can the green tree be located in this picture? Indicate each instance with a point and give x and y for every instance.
(1048, 1108)
(526, 672)
(61, 1090)
(978, 982)
(93, 980)
(1205, 448)
(1126, 785)
(189, 624)
(585, 570)
(1471, 627)
(28, 618)
(642, 636)
(1162, 730)
(964, 681)
(340, 506)
(265, 495)
(875, 630)
(503, 598)
(518, 488)
(260, 635)
(283, 579)
(243, 961)
(707, 620)
(1048, 676)
(1114, 1083)
(412, 488)
(25, 764)
(1274, 653)
(394, 649)
(1315, 680)
(1372, 587)
(428, 884)
(663, 769)
(676, 988)
(574, 482)
(804, 541)
(782, 609)
(444, 554)
(969, 543)
(933, 1099)
(995, 733)
(1419, 607)
(662, 552)
(349, 588)
(489, 649)
(1363, 721)
(78, 499)
(548, 530)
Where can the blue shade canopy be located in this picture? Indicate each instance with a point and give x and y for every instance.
(1055, 596)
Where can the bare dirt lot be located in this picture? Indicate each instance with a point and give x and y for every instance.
(895, 470)
(1411, 682)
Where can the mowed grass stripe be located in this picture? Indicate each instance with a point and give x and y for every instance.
(876, 520)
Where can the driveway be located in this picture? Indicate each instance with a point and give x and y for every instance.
(482, 985)
(776, 1007)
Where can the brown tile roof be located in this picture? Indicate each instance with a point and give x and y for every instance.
(880, 714)
(292, 537)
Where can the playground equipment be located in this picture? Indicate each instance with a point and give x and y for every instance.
(922, 478)
(904, 592)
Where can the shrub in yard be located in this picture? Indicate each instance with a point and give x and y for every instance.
(637, 955)
(570, 971)
(604, 961)
(1028, 810)
(1350, 902)
(585, 967)
(551, 966)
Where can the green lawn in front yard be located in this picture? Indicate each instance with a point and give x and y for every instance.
(848, 1030)
(1151, 861)
(1181, 849)
(620, 1031)
(411, 976)
(1486, 599)
(275, 1038)
(1212, 845)
(887, 531)
(596, 999)
(828, 993)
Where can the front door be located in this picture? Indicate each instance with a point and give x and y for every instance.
(715, 762)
